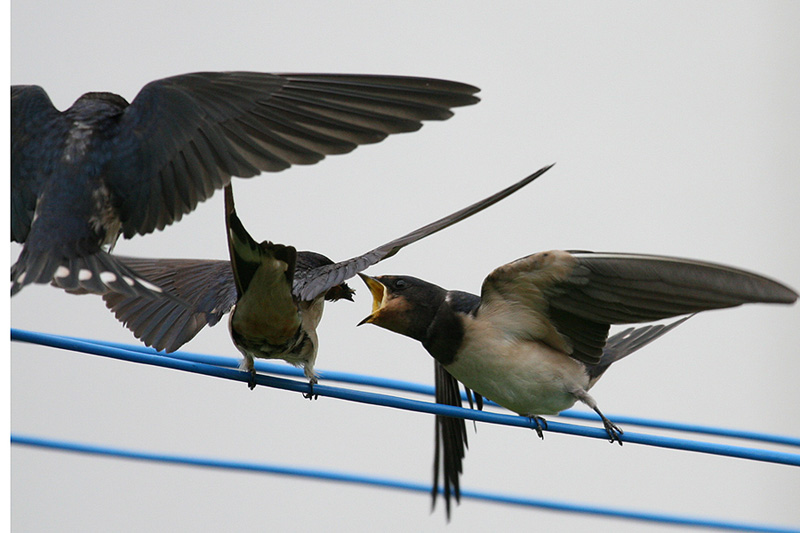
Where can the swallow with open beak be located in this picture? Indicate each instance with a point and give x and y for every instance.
(536, 339)
(274, 293)
(82, 177)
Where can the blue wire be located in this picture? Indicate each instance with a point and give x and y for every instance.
(397, 402)
(345, 477)
(417, 388)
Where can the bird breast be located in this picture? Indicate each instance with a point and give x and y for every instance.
(523, 375)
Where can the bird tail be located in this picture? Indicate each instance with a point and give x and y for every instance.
(450, 442)
(628, 341)
(97, 273)
(197, 293)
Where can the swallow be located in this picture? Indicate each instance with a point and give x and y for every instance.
(275, 294)
(82, 177)
(537, 338)
(450, 441)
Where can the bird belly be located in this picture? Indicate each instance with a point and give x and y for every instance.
(297, 350)
(278, 332)
(525, 376)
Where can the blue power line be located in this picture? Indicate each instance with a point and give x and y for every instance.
(227, 367)
(344, 477)
(418, 388)
(189, 362)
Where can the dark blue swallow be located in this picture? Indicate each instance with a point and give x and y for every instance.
(275, 294)
(104, 168)
(536, 339)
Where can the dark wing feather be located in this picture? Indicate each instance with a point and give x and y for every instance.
(35, 127)
(630, 340)
(310, 260)
(247, 255)
(315, 282)
(631, 288)
(574, 296)
(205, 291)
(197, 293)
(307, 260)
(184, 137)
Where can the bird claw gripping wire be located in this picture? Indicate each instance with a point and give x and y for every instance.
(614, 432)
(540, 425)
(310, 394)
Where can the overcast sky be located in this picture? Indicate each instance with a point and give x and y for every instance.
(675, 128)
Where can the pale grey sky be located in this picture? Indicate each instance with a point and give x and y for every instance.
(675, 128)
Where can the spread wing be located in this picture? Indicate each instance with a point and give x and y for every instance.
(630, 340)
(196, 293)
(183, 137)
(569, 299)
(35, 127)
(205, 290)
(316, 281)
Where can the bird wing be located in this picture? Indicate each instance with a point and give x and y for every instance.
(202, 291)
(197, 292)
(630, 340)
(248, 256)
(314, 282)
(568, 299)
(307, 260)
(33, 119)
(185, 136)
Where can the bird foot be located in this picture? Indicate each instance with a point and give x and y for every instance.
(614, 431)
(540, 424)
(310, 394)
(252, 381)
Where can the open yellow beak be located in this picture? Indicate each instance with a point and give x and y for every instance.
(379, 295)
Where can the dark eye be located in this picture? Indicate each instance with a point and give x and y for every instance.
(400, 284)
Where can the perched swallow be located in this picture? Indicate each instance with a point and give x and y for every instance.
(450, 441)
(536, 339)
(104, 168)
(274, 293)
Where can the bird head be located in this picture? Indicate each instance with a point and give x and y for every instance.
(403, 304)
